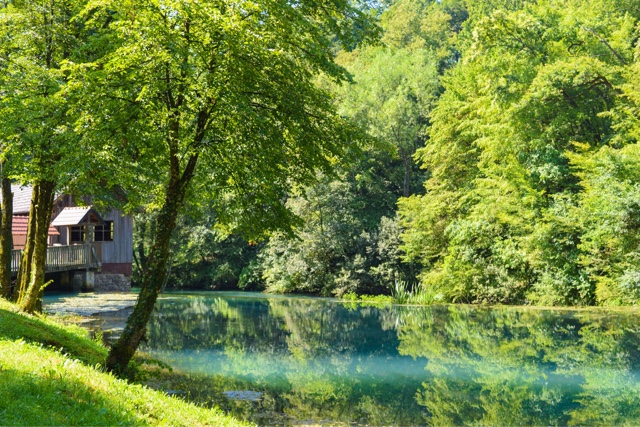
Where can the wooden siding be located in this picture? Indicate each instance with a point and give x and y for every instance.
(19, 241)
(63, 239)
(121, 249)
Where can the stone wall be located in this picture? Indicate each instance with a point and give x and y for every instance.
(112, 283)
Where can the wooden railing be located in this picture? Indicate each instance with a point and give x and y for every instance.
(63, 258)
(15, 261)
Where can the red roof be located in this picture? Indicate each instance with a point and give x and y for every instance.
(19, 226)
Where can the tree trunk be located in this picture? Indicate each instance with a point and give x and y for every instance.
(406, 184)
(24, 270)
(155, 272)
(6, 238)
(44, 207)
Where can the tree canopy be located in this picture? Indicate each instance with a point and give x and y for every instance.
(216, 101)
(521, 205)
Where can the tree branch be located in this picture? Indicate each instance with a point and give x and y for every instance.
(602, 39)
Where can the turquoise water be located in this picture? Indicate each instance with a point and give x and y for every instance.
(291, 360)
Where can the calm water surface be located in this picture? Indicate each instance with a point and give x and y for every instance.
(293, 360)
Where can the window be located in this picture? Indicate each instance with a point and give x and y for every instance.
(78, 233)
(104, 233)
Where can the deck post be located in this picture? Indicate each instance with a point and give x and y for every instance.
(67, 283)
(83, 280)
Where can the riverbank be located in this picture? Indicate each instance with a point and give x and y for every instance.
(50, 374)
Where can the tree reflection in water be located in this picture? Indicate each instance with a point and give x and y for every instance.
(324, 361)
(515, 366)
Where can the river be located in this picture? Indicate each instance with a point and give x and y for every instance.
(298, 360)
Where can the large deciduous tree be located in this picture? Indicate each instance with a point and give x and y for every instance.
(216, 100)
(38, 39)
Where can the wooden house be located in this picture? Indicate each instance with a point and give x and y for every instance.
(94, 249)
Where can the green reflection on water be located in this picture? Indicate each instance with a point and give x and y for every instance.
(320, 360)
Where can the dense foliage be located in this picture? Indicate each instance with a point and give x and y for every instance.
(520, 118)
(202, 256)
(533, 191)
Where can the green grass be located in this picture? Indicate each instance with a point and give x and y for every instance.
(401, 294)
(368, 300)
(50, 374)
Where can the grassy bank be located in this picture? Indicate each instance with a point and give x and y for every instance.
(50, 375)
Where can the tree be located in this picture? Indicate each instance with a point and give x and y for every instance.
(426, 25)
(217, 101)
(36, 128)
(6, 237)
(202, 256)
(393, 93)
(538, 83)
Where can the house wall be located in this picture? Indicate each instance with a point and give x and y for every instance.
(117, 256)
(62, 202)
(63, 239)
(19, 240)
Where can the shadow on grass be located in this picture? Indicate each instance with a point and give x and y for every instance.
(15, 326)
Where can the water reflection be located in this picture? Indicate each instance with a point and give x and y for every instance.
(526, 367)
(312, 360)
(326, 362)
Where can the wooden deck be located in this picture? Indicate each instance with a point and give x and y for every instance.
(63, 258)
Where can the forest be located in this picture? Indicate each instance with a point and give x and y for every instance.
(499, 166)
